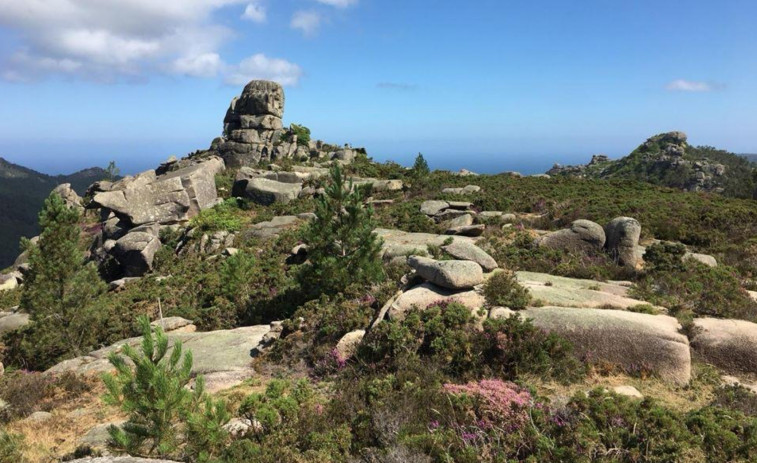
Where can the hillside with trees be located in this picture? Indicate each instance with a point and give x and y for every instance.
(240, 304)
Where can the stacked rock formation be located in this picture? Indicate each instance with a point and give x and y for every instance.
(254, 131)
(253, 128)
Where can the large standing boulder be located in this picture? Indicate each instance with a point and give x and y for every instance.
(622, 240)
(463, 250)
(582, 236)
(8, 282)
(266, 192)
(450, 274)
(633, 341)
(730, 345)
(136, 252)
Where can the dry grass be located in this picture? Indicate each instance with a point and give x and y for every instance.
(49, 440)
(697, 394)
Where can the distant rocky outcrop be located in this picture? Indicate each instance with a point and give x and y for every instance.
(668, 160)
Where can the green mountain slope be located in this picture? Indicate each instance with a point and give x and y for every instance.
(22, 192)
(668, 160)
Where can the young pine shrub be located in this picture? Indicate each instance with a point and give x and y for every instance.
(342, 248)
(160, 406)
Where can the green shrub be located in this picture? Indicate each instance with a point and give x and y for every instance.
(698, 290)
(665, 257)
(60, 293)
(447, 336)
(302, 133)
(226, 216)
(420, 167)
(155, 395)
(502, 289)
(342, 248)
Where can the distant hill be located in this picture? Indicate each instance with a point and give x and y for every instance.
(22, 193)
(668, 160)
(750, 157)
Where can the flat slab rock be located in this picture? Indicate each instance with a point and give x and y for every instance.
(223, 357)
(575, 292)
(402, 243)
(630, 340)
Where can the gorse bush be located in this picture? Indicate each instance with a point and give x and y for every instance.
(502, 289)
(342, 248)
(155, 395)
(665, 257)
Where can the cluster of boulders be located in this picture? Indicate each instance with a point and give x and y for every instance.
(135, 209)
(272, 185)
(458, 217)
(254, 131)
(620, 238)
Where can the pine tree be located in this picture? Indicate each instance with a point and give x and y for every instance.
(59, 289)
(342, 248)
(164, 415)
(420, 167)
(153, 393)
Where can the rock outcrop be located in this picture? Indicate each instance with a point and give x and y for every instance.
(254, 131)
(223, 357)
(730, 345)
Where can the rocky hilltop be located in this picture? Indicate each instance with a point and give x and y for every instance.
(339, 309)
(668, 160)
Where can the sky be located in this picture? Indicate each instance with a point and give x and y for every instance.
(488, 85)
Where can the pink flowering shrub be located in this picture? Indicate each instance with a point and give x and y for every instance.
(496, 403)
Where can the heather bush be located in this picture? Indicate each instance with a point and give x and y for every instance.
(502, 289)
(699, 290)
(448, 336)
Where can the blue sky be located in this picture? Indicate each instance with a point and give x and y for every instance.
(487, 85)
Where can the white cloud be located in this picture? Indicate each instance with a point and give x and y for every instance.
(682, 85)
(205, 65)
(254, 12)
(338, 3)
(262, 67)
(109, 40)
(306, 21)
